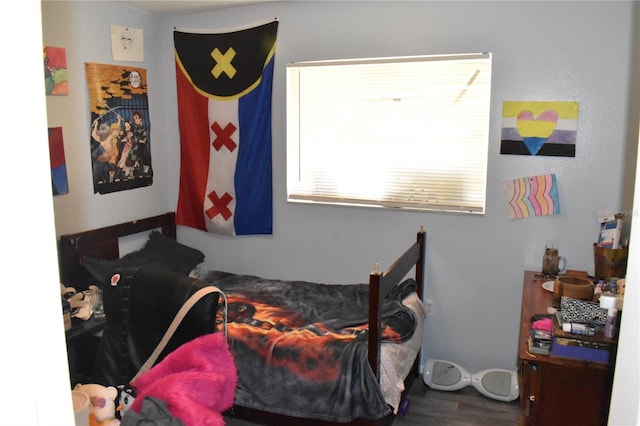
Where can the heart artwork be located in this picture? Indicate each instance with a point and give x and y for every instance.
(535, 131)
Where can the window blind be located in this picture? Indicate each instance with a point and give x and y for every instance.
(403, 132)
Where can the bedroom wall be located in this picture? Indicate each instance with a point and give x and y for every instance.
(475, 263)
(34, 356)
(83, 29)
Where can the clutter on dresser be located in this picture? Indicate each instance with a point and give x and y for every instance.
(609, 262)
(540, 338)
(598, 314)
(574, 286)
(589, 326)
(586, 332)
(583, 349)
(579, 367)
(552, 263)
(613, 303)
(582, 319)
(610, 252)
(611, 232)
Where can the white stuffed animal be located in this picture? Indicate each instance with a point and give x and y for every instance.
(102, 400)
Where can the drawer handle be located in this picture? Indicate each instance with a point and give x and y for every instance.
(532, 399)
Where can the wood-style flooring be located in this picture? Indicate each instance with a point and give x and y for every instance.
(466, 407)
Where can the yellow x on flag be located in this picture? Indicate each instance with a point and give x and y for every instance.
(223, 62)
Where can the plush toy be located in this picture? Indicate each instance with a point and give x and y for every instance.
(102, 400)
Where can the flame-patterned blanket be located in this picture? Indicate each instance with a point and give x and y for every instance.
(301, 347)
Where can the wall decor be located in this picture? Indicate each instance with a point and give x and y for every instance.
(127, 44)
(539, 128)
(55, 71)
(532, 196)
(119, 127)
(59, 182)
(224, 84)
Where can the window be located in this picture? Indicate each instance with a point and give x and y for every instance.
(403, 132)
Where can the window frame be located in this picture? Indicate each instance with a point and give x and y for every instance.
(440, 182)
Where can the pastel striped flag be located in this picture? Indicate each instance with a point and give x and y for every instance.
(532, 196)
(224, 83)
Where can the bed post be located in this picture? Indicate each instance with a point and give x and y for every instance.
(375, 312)
(420, 267)
(381, 283)
(421, 240)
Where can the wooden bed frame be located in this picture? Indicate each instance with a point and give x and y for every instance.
(104, 243)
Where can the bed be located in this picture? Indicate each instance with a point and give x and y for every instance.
(378, 341)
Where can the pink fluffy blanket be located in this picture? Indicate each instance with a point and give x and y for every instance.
(197, 381)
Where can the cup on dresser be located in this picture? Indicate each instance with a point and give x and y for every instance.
(552, 263)
(95, 298)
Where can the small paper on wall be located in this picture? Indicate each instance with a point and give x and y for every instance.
(127, 44)
(532, 196)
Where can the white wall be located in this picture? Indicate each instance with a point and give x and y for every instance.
(475, 263)
(625, 398)
(83, 29)
(564, 51)
(35, 380)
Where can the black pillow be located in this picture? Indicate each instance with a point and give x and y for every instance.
(159, 253)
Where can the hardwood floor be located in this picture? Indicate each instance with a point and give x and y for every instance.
(466, 407)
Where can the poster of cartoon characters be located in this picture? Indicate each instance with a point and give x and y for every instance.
(120, 127)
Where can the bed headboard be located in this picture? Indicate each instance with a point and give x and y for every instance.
(103, 243)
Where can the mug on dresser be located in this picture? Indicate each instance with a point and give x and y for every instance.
(552, 263)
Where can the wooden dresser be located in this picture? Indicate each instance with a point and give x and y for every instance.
(557, 390)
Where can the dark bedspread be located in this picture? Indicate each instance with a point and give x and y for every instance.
(301, 347)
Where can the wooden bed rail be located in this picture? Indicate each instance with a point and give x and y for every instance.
(380, 284)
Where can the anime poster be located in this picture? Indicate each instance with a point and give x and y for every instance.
(120, 128)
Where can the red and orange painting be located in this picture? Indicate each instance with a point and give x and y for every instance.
(55, 71)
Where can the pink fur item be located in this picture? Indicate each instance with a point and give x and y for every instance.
(197, 381)
(544, 324)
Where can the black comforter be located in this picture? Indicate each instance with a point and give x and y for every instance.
(301, 347)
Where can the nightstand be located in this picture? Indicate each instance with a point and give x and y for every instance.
(558, 390)
(82, 345)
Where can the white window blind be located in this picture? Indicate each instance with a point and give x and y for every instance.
(404, 132)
